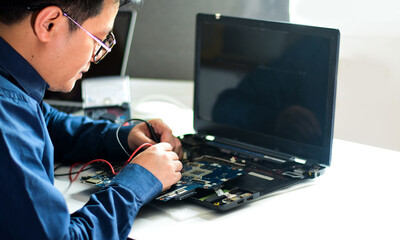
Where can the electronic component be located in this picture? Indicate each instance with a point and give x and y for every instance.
(116, 114)
(99, 178)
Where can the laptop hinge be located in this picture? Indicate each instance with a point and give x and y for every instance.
(252, 151)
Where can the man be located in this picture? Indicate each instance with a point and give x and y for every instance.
(48, 44)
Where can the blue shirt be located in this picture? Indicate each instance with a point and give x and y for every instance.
(32, 136)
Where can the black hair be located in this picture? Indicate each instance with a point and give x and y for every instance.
(13, 11)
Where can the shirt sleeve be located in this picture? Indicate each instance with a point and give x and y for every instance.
(80, 139)
(117, 204)
(31, 207)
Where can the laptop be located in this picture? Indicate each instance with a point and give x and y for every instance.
(114, 65)
(264, 103)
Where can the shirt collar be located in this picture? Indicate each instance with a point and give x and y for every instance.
(23, 73)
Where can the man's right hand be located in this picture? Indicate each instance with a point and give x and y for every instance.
(162, 162)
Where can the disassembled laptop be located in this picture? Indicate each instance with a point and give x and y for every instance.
(233, 160)
(211, 174)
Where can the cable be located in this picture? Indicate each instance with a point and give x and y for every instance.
(151, 129)
(65, 174)
(105, 161)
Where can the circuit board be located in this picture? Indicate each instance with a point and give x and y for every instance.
(201, 174)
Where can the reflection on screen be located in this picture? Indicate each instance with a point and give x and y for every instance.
(264, 80)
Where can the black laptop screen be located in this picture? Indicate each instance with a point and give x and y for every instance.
(266, 83)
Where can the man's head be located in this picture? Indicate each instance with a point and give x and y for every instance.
(58, 38)
(12, 11)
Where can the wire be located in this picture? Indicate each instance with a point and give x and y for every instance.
(104, 161)
(153, 135)
(65, 174)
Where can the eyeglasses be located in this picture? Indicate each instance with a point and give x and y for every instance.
(103, 47)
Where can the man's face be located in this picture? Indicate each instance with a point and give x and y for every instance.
(73, 52)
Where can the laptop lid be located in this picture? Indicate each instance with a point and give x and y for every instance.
(114, 64)
(268, 87)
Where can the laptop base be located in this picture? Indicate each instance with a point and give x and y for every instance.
(222, 180)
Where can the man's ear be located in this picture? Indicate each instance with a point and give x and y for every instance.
(48, 22)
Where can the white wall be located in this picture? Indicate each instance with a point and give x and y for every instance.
(368, 93)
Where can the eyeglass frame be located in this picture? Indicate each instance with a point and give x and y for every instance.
(100, 42)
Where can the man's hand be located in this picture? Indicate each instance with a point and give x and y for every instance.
(162, 162)
(141, 134)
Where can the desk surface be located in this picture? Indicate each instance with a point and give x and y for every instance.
(357, 198)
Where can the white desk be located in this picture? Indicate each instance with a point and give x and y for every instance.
(357, 198)
(169, 100)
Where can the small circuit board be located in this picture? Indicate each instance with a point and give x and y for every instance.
(99, 178)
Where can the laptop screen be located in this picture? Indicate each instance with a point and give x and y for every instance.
(113, 65)
(267, 84)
